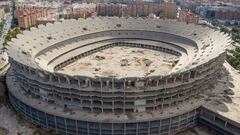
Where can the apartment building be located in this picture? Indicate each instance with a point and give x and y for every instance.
(137, 9)
(27, 17)
(188, 17)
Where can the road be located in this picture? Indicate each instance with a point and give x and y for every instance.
(7, 26)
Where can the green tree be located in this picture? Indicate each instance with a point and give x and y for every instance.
(236, 54)
(237, 49)
(160, 13)
(230, 59)
(224, 29)
(214, 22)
(231, 51)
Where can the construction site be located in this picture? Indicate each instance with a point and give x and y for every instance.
(123, 76)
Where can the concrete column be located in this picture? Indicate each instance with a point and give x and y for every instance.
(148, 127)
(76, 126)
(31, 114)
(55, 122)
(58, 79)
(50, 78)
(182, 77)
(195, 113)
(178, 122)
(137, 129)
(101, 83)
(68, 81)
(87, 128)
(79, 84)
(112, 128)
(159, 129)
(46, 119)
(187, 119)
(112, 84)
(195, 74)
(169, 129)
(65, 123)
(225, 124)
(174, 80)
(89, 83)
(146, 83)
(189, 76)
(38, 117)
(99, 129)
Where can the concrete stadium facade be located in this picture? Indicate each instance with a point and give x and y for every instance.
(75, 104)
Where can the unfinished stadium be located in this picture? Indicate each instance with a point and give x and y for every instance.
(116, 76)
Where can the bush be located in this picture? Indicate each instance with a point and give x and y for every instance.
(231, 51)
(224, 29)
(236, 63)
(238, 67)
(237, 49)
(215, 22)
(236, 54)
(231, 59)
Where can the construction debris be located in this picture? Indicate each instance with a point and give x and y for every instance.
(147, 62)
(124, 62)
(100, 57)
(97, 69)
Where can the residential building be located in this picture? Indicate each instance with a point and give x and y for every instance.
(188, 17)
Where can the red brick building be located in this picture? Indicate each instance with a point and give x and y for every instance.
(27, 17)
(137, 9)
(188, 17)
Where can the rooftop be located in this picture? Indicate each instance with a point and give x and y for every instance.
(47, 46)
(225, 99)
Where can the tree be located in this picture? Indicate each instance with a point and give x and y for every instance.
(236, 54)
(231, 51)
(214, 22)
(160, 13)
(11, 34)
(230, 58)
(237, 49)
(224, 29)
(236, 63)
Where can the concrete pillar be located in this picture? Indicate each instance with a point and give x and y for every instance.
(87, 128)
(187, 119)
(68, 81)
(108, 84)
(189, 76)
(89, 83)
(174, 80)
(112, 84)
(55, 122)
(79, 84)
(58, 80)
(195, 74)
(169, 129)
(50, 78)
(46, 120)
(159, 129)
(76, 126)
(101, 83)
(182, 77)
(65, 123)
